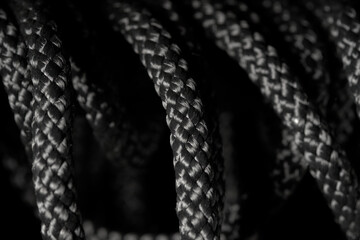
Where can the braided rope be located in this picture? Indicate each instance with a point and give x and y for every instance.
(296, 29)
(14, 72)
(298, 32)
(84, 85)
(231, 213)
(291, 21)
(20, 96)
(196, 159)
(100, 114)
(52, 174)
(288, 168)
(343, 104)
(328, 165)
(24, 184)
(344, 29)
(15, 76)
(20, 176)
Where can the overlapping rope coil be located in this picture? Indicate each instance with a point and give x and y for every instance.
(51, 139)
(194, 123)
(42, 83)
(298, 32)
(328, 165)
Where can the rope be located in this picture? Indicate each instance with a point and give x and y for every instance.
(288, 168)
(197, 162)
(343, 28)
(314, 100)
(328, 165)
(13, 54)
(195, 99)
(231, 213)
(300, 34)
(15, 76)
(52, 163)
(297, 31)
(16, 80)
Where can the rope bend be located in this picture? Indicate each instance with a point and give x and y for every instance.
(197, 160)
(51, 125)
(191, 140)
(327, 163)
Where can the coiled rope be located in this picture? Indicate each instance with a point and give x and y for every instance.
(41, 82)
(328, 165)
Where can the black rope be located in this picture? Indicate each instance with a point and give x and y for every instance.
(51, 76)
